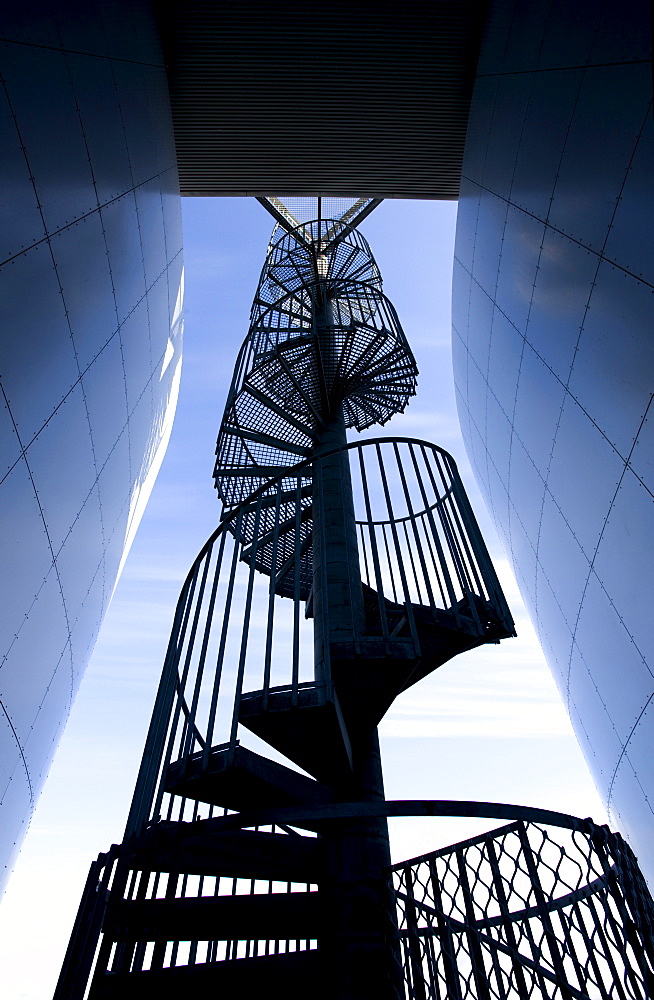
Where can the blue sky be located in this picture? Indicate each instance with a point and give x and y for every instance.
(489, 725)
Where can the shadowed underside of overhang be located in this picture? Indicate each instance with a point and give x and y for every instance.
(332, 99)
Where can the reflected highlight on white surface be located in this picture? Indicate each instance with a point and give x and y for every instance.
(90, 286)
(554, 359)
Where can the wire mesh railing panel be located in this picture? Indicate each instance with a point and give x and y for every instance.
(528, 910)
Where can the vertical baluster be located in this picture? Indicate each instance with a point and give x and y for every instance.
(448, 520)
(82, 951)
(523, 989)
(475, 950)
(374, 550)
(446, 525)
(412, 517)
(161, 723)
(246, 628)
(159, 952)
(267, 661)
(209, 630)
(192, 952)
(472, 531)
(211, 721)
(322, 662)
(190, 649)
(445, 937)
(612, 979)
(393, 527)
(134, 950)
(181, 682)
(623, 927)
(473, 570)
(365, 554)
(192, 734)
(295, 678)
(565, 922)
(543, 911)
(434, 529)
(409, 549)
(579, 911)
(433, 560)
(389, 563)
(449, 478)
(413, 935)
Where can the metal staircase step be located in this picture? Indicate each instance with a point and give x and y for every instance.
(370, 678)
(294, 976)
(279, 915)
(197, 849)
(304, 727)
(240, 779)
(368, 683)
(445, 638)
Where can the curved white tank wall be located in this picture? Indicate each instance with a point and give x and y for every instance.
(90, 342)
(554, 357)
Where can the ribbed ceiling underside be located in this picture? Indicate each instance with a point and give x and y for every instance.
(332, 99)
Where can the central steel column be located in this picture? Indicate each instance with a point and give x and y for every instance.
(358, 952)
(337, 591)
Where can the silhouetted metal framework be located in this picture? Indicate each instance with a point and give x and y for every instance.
(322, 335)
(340, 575)
(547, 906)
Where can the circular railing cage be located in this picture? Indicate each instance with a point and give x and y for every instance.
(323, 249)
(546, 906)
(553, 907)
(423, 563)
(322, 336)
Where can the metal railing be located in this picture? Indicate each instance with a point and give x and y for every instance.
(546, 906)
(122, 897)
(322, 336)
(533, 909)
(423, 562)
(420, 544)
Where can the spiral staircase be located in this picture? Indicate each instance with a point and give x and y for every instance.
(255, 859)
(256, 853)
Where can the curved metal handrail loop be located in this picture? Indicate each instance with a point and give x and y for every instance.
(545, 905)
(348, 250)
(437, 486)
(323, 339)
(275, 406)
(399, 520)
(368, 346)
(231, 634)
(293, 264)
(304, 296)
(229, 517)
(522, 911)
(310, 817)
